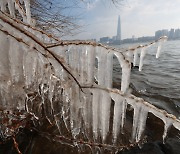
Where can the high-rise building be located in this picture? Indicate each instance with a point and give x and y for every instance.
(177, 34)
(118, 36)
(171, 34)
(159, 33)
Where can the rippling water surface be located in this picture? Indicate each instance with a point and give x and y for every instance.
(159, 81)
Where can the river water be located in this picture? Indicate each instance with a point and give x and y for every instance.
(159, 81)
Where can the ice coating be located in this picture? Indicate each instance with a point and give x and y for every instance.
(29, 72)
(139, 121)
(95, 115)
(3, 5)
(105, 113)
(109, 68)
(11, 7)
(90, 64)
(119, 114)
(167, 126)
(158, 50)
(135, 58)
(101, 56)
(142, 55)
(14, 5)
(126, 69)
(28, 12)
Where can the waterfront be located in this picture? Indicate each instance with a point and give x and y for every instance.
(159, 81)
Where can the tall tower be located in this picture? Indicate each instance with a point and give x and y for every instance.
(118, 36)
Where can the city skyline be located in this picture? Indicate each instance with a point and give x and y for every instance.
(172, 34)
(138, 18)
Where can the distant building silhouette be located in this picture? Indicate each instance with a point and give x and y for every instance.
(160, 33)
(104, 39)
(173, 34)
(177, 34)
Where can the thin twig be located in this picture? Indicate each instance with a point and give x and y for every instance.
(16, 145)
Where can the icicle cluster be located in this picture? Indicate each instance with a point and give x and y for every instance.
(60, 79)
(14, 5)
(134, 53)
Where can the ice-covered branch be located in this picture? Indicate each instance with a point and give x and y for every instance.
(37, 41)
(38, 76)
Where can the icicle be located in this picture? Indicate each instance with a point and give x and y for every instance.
(84, 57)
(104, 113)
(139, 121)
(87, 108)
(21, 11)
(28, 11)
(143, 53)
(91, 64)
(135, 58)
(102, 57)
(142, 123)
(16, 61)
(167, 125)
(126, 70)
(158, 50)
(3, 5)
(4, 58)
(70, 55)
(11, 8)
(65, 106)
(119, 114)
(130, 55)
(95, 111)
(30, 63)
(176, 124)
(75, 106)
(82, 64)
(109, 70)
(51, 89)
(77, 56)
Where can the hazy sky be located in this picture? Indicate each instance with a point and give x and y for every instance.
(138, 17)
